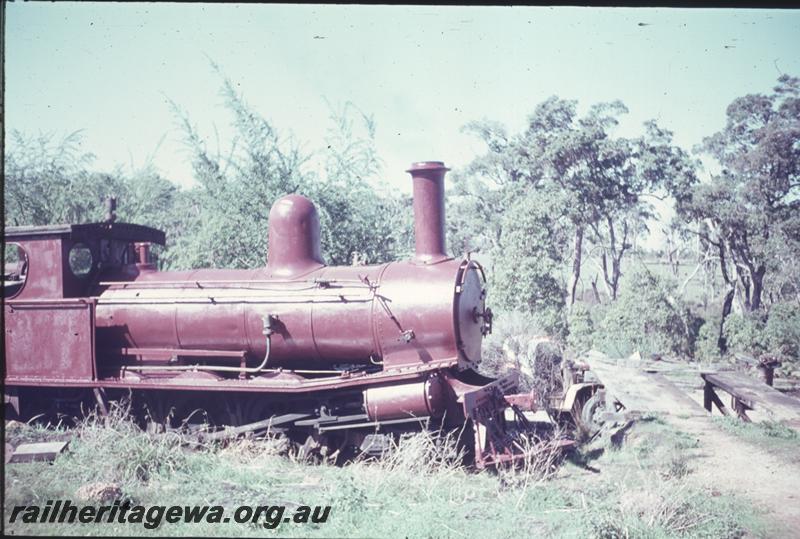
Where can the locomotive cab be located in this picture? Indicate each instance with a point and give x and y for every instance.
(67, 261)
(50, 275)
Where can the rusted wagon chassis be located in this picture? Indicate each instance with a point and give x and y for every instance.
(345, 353)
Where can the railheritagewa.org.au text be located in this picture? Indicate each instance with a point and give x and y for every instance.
(151, 517)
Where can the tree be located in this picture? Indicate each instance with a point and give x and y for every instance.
(624, 173)
(648, 318)
(236, 188)
(602, 178)
(750, 210)
(582, 159)
(480, 194)
(362, 221)
(222, 221)
(48, 181)
(529, 257)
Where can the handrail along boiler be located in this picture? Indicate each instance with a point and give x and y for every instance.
(341, 355)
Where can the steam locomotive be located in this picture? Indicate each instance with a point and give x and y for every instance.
(337, 356)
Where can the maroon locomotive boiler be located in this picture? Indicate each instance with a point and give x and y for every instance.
(334, 355)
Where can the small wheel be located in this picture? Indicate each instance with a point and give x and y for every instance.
(589, 417)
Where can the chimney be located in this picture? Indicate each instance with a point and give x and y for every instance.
(145, 261)
(142, 249)
(428, 178)
(294, 247)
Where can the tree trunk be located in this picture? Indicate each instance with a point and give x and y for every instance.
(727, 303)
(576, 263)
(604, 267)
(615, 273)
(744, 281)
(758, 288)
(616, 255)
(594, 289)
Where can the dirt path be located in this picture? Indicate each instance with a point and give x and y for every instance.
(721, 461)
(725, 462)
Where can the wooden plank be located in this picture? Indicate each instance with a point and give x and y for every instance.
(47, 451)
(757, 395)
(642, 391)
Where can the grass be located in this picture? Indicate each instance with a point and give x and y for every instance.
(636, 488)
(761, 431)
(771, 436)
(646, 492)
(674, 510)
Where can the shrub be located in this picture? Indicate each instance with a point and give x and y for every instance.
(528, 261)
(646, 317)
(782, 331)
(707, 343)
(522, 286)
(581, 328)
(754, 334)
(744, 333)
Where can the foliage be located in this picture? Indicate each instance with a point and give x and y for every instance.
(707, 343)
(511, 345)
(754, 334)
(565, 186)
(744, 333)
(647, 317)
(222, 221)
(767, 431)
(359, 215)
(782, 332)
(236, 190)
(480, 191)
(581, 327)
(752, 207)
(50, 181)
(528, 259)
(47, 181)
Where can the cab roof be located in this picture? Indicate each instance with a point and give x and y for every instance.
(89, 231)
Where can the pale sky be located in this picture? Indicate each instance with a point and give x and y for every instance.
(422, 72)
